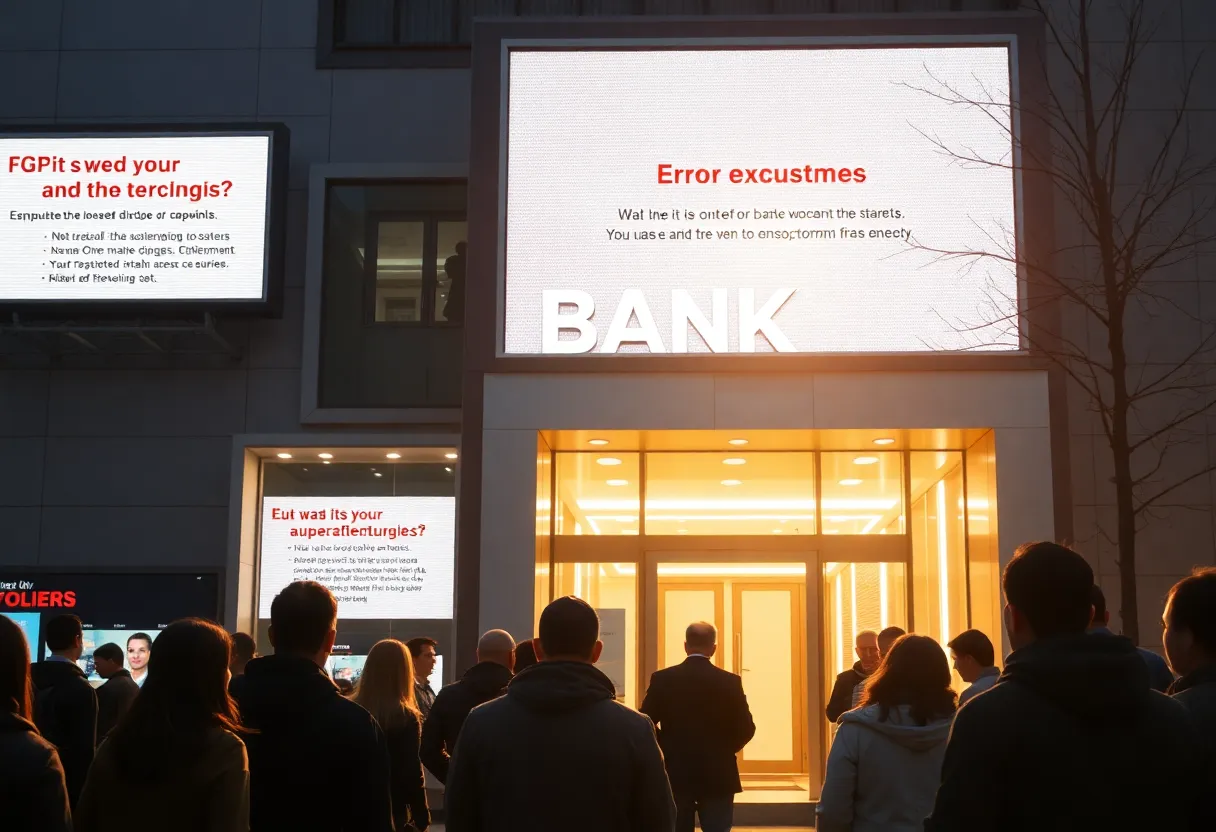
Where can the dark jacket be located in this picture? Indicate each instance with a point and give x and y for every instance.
(65, 710)
(481, 683)
(703, 722)
(113, 700)
(33, 792)
(408, 786)
(1197, 692)
(235, 685)
(1160, 677)
(559, 725)
(842, 691)
(1071, 737)
(318, 760)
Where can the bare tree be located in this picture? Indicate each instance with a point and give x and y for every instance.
(1139, 214)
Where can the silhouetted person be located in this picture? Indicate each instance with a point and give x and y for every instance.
(867, 662)
(703, 721)
(1159, 673)
(975, 660)
(886, 759)
(886, 638)
(1190, 646)
(386, 689)
(178, 748)
(482, 682)
(423, 652)
(454, 267)
(33, 791)
(317, 760)
(114, 697)
(65, 704)
(1072, 736)
(525, 655)
(244, 650)
(559, 725)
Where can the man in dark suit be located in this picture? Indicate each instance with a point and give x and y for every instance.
(114, 698)
(703, 721)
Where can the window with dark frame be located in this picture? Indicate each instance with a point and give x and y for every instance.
(414, 268)
(402, 33)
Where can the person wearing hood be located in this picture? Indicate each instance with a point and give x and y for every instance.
(1159, 674)
(65, 704)
(482, 682)
(597, 762)
(868, 657)
(178, 746)
(33, 790)
(1190, 645)
(886, 760)
(316, 759)
(1072, 736)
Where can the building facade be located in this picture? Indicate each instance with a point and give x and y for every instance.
(791, 499)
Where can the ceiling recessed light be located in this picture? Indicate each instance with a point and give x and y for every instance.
(377, 474)
(597, 441)
(734, 460)
(449, 456)
(325, 462)
(608, 460)
(732, 482)
(682, 531)
(618, 483)
(449, 470)
(326, 456)
(886, 440)
(738, 442)
(850, 482)
(283, 456)
(393, 455)
(865, 460)
(776, 531)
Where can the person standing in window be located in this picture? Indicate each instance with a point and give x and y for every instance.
(139, 650)
(454, 267)
(114, 698)
(386, 690)
(33, 790)
(178, 747)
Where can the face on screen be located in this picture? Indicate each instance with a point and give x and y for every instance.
(138, 652)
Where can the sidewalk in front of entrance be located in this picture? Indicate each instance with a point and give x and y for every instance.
(439, 828)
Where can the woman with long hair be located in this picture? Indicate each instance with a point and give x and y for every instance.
(176, 759)
(33, 791)
(386, 690)
(886, 761)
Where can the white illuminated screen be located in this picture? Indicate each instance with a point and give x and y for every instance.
(382, 557)
(134, 218)
(603, 257)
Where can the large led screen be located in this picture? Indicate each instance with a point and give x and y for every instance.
(803, 200)
(139, 217)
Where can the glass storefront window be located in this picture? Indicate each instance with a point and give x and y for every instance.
(939, 550)
(598, 493)
(449, 282)
(860, 597)
(730, 493)
(612, 588)
(863, 492)
(399, 271)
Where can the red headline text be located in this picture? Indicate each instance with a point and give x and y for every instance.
(99, 189)
(807, 174)
(39, 598)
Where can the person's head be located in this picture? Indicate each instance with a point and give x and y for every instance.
(386, 686)
(184, 698)
(867, 650)
(244, 649)
(497, 646)
(569, 632)
(65, 636)
(462, 247)
(139, 650)
(345, 686)
(423, 651)
(525, 655)
(1190, 622)
(972, 653)
(913, 673)
(303, 621)
(108, 659)
(14, 670)
(888, 637)
(1048, 593)
(700, 639)
(1101, 615)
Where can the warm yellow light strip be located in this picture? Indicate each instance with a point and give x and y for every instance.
(884, 614)
(734, 571)
(738, 505)
(943, 564)
(853, 602)
(839, 625)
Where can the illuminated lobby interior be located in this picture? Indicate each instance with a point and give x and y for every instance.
(790, 542)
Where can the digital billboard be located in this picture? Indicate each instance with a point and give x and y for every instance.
(738, 200)
(140, 217)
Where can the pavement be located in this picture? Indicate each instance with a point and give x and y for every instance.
(439, 828)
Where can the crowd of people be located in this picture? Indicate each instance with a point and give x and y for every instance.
(1075, 732)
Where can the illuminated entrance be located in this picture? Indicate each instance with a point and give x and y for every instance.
(789, 542)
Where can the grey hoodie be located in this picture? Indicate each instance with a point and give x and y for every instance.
(882, 775)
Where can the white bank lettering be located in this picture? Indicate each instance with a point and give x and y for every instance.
(573, 310)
